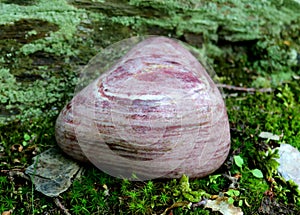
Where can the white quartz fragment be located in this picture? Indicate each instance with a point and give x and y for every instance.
(289, 161)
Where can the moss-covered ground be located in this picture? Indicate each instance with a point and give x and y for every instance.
(44, 44)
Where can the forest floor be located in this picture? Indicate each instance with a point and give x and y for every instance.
(254, 48)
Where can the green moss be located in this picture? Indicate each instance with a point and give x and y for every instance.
(57, 12)
(276, 112)
(231, 21)
(33, 100)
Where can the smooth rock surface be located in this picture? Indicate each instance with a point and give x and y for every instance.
(155, 113)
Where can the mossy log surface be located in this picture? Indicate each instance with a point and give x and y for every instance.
(44, 43)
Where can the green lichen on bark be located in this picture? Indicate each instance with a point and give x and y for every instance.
(215, 27)
(56, 12)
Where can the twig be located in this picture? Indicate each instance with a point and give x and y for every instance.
(203, 202)
(176, 205)
(245, 89)
(61, 207)
(234, 181)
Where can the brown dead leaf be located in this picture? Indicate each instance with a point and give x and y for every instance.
(221, 204)
(286, 42)
(17, 147)
(7, 212)
(16, 160)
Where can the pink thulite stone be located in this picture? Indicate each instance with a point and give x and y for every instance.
(156, 113)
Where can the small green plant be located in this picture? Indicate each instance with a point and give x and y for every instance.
(239, 161)
(7, 198)
(213, 179)
(233, 194)
(184, 191)
(28, 138)
(164, 198)
(141, 199)
(267, 161)
(287, 191)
